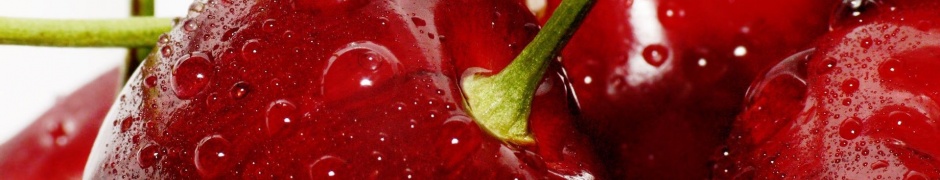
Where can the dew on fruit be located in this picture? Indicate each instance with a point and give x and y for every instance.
(418, 21)
(166, 51)
(211, 155)
(239, 90)
(190, 25)
(460, 137)
(191, 75)
(251, 50)
(328, 167)
(866, 42)
(164, 39)
(655, 54)
(280, 113)
(150, 81)
(889, 69)
(126, 123)
(850, 86)
(148, 155)
(269, 25)
(850, 128)
(359, 65)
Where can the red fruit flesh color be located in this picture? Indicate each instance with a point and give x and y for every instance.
(868, 110)
(335, 89)
(56, 145)
(660, 81)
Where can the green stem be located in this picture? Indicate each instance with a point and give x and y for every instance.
(501, 103)
(127, 32)
(139, 8)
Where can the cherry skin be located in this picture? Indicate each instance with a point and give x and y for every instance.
(659, 82)
(56, 145)
(862, 104)
(335, 89)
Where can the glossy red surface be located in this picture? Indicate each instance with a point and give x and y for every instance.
(861, 105)
(56, 145)
(334, 89)
(660, 81)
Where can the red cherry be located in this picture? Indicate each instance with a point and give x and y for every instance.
(56, 145)
(867, 108)
(337, 89)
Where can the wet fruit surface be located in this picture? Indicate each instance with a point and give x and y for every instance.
(334, 89)
(659, 81)
(861, 105)
(56, 145)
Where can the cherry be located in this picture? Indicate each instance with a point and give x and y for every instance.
(659, 82)
(56, 145)
(860, 105)
(336, 89)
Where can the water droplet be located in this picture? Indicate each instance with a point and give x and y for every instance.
(211, 155)
(126, 123)
(148, 155)
(190, 25)
(251, 50)
(166, 51)
(460, 137)
(418, 21)
(358, 66)
(890, 69)
(914, 175)
(151, 81)
(850, 128)
(866, 42)
(879, 164)
(191, 75)
(655, 54)
(850, 86)
(164, 39)
(328, 167)
(239, 90)
(846, 101)
(269, 25)
(280, 113)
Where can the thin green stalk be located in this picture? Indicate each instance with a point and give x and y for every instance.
(501, 103)
(127, 32)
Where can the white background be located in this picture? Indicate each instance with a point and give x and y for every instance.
(32, 78)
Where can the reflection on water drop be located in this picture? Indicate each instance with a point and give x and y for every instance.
(191, 75)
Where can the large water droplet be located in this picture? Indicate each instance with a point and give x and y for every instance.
(211, 155)
(890, 69)
(358, 66)
(850, 128)
(251, 50)
(190, 25)
(148, 155)
(150, 81)
(850, 86)
(191, 75)
(459, 138)
(655, 54)
(329, 167)
(269, 25)
(418, 21)
(280, 113)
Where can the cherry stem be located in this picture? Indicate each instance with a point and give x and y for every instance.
(139, 8)
(126, 32)
(501, 103)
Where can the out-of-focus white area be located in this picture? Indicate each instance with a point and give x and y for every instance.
(32, 78)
